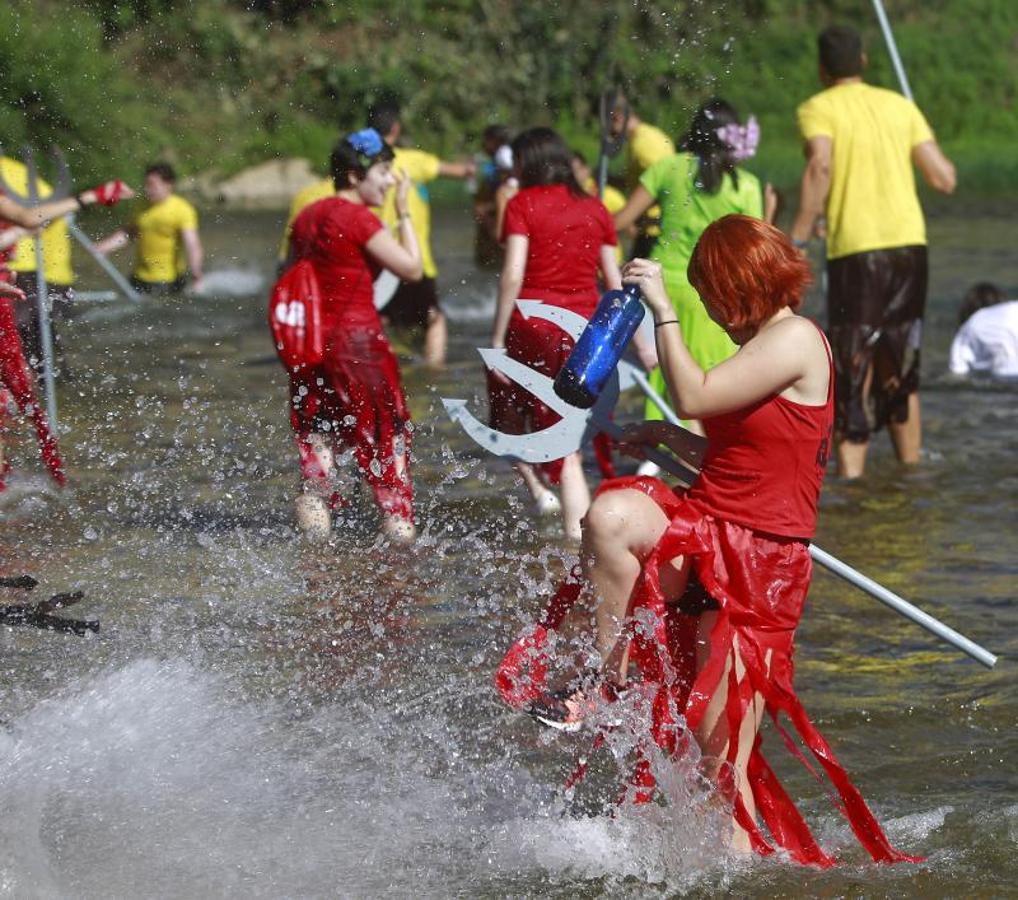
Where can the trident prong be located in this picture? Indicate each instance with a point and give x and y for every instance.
(577, 426)
(61, 187)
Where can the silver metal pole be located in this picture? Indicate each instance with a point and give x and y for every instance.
(42, 303)
(104, 263)
(832, 563)
(892, 48)
(902, 606)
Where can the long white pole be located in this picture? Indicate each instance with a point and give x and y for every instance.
(892, 48)
(103, 262)
(42, 304)
(833, 564)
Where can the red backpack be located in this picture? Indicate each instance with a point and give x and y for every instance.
(295, 317)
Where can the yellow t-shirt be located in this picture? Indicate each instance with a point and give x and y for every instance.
(422, 168)
(647, 145)
(56, 239)
(872, 203)
(160, 253)
(319, 190)
(614, 201)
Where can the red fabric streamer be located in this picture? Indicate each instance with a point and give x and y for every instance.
(760, 584)
(17, 380)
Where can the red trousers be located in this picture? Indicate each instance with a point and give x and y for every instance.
(16, 385)
(355, 399)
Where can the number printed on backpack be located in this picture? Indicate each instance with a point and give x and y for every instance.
(291, 314)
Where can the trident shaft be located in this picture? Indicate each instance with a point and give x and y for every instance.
(578, 425)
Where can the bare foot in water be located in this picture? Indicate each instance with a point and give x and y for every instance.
(398, 530)
(313, 517)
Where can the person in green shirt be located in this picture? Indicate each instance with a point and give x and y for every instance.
(695, 186)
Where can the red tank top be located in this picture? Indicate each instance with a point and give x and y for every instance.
(764, 464)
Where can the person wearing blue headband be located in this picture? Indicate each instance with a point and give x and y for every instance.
(353, 399)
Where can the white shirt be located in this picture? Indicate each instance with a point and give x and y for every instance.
(988, 342)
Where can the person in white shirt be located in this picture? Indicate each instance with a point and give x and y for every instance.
(987, 339)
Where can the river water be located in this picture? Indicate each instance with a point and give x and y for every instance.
(262, 718)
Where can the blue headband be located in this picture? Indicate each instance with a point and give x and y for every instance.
(367, 142)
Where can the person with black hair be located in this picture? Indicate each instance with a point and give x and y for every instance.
(557, 239)
(698, 185)
(491, 175)
(415, 304)
(354, 397)
(166, 231)
(861, 143)
(987, 338)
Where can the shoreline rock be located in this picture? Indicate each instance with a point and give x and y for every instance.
(268, 185)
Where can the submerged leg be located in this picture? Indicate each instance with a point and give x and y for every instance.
(714, 731)
(575, 495)
(436, 338)
(907, 436)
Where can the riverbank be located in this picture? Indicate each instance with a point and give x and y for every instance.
(227, 85)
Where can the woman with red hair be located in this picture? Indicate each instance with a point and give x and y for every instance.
(701, 590)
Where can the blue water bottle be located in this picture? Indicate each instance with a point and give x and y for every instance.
(600, 347)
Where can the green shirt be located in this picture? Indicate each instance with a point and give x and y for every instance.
(686, 210)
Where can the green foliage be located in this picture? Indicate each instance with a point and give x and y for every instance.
(222, 83)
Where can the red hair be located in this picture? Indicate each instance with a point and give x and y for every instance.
(746, 270)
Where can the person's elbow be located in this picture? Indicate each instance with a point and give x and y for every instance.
(411, 270)
(818, 170)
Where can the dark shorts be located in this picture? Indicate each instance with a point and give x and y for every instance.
(875, 305)
(160, 287)
(695, 600)
(411, 305)
(643, 245)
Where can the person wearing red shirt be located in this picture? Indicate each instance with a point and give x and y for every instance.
(702, 590)
(355, 397)
(557, 240)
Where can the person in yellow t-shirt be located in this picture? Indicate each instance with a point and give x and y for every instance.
(317, 190)
(861, 143)
(56, 256)
(646, 145)
(166, 232)
(613, 199)
(415, 303)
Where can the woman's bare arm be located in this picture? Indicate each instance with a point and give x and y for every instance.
(638, 203)
(37, 216)
(509, 283)
(774, 360)
(609, 263)
(402, 258)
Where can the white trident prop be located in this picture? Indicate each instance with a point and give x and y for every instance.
(580, 425)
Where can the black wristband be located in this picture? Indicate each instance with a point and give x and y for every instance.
(657, 325)
(77, 199)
